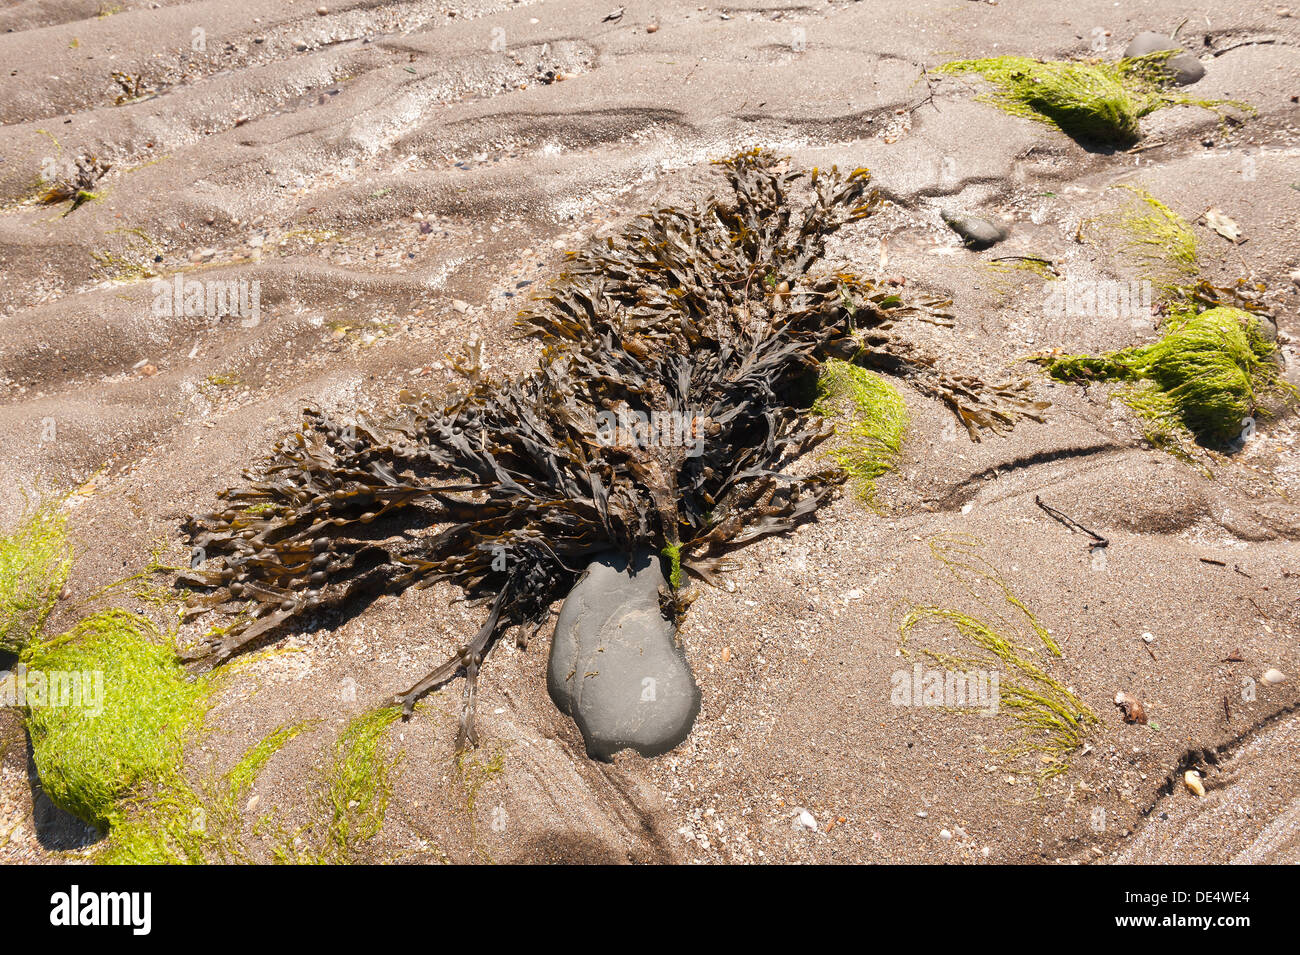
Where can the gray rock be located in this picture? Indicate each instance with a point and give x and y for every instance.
(1186, 69)
(615, 665)
(976, 232)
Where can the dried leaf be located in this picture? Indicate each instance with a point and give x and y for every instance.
(1221, 223)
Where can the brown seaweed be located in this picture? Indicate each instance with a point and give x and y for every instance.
(711, 317)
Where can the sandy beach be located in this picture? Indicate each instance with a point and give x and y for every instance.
(379, 184)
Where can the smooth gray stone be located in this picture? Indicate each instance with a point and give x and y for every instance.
(1186, 69)
(976, 232)
(615, 665)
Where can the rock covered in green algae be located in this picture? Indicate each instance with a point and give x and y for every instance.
(1182, 66)
(615, 665)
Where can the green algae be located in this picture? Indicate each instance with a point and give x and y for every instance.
(1205, 375)
(359, 784)
(351, 801)
(89, 762)
(674, 554)
(871, 419)
(1007, 637)
(35, 561)
(475, 773)
(179, 823)
(110, 709)
(1092, 101)
(1162, 237)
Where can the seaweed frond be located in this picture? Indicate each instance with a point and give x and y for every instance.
(871, 418)
(1051, 720)
(35, 561)
(1205, 375)
(91, 754)
(668, 406)
(1095, 102)
(1160, 235)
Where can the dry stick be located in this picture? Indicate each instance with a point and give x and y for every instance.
(929, 85)
(1155, 144)
(1070, 522)
(1022, 258)
(1262, 41)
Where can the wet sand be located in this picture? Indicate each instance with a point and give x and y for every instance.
(398, 179)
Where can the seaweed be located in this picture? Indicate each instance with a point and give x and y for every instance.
(1095, 102)
(712, 318)
(89, 761)
(177, 823)
(1052, 721)
(35, 561)
(1161, 236)
(351, 801)
(78, 186)
(1206, 373)
(874, 420)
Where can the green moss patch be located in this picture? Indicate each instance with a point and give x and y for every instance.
(1206, 373)
(1162, 237)
(181, 824)
(34, 565)
(1094, 102)
(90, 761)
(351, 802)
(871, 418)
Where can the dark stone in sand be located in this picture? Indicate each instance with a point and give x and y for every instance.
(976, 232)
(1185, 68)
(615, 665)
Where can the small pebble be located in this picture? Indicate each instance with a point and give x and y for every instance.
(975, 231)
(1192, 779)
(1274, 677)
(1185, 68)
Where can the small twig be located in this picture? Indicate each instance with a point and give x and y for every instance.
(1155, 144)
(1211, 560)
(1022, 258)
(1071, 523)
(1227, 713)
(1261, 42)
(1237, 568)
(929, 85)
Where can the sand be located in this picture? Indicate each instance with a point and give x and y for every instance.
(403, 181)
